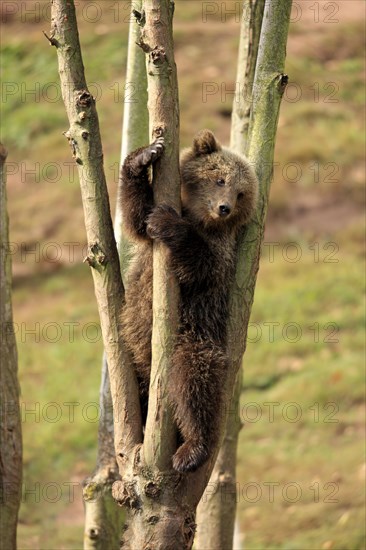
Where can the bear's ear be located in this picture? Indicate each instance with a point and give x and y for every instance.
(205, 143)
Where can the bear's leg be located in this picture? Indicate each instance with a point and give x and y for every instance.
(195, 392)
(136, 192)
(136, 325)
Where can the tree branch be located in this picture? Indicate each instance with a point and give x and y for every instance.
(103, 519)
(268, 88)
(250, 32)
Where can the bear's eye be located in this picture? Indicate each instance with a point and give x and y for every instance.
(220, 182)
(240, 196)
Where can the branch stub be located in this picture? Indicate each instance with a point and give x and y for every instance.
(52, 41)
(95, 256)
(140, 17)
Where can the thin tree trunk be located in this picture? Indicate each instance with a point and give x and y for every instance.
(269, 85)
(135, 129)
(216, 510)
(85, 142)
(103, 519)
(10, 426)
(250, 33)
(157, 42)
(216, 513)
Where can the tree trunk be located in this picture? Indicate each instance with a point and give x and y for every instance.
(250, 33)
(216, 510)
(103, 518)
(268, 88)
(135, 130)
(269, 85)
(216, 514)
(157, 41)
(10, 425)
(84, 138)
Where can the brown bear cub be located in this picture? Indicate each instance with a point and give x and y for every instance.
(219, 192)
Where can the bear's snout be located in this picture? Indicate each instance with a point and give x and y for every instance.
(224, 210)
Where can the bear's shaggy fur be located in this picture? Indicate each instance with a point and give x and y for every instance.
(219, 192)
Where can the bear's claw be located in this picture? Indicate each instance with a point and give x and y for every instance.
(151, 153)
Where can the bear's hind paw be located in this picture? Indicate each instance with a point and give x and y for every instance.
(190, 456)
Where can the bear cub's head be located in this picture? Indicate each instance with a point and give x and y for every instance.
(218, 186)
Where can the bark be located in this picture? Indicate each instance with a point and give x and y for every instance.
(216, 510)
(10, 425)
(84, 139)
(102, 516)
(216, 514)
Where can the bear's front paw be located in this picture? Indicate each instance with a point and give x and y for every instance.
(151, 153)
(161, 222)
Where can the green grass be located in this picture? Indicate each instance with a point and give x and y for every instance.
(322, 377)
(319, 385)
(59, 377)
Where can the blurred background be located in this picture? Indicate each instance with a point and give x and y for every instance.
(301, 464)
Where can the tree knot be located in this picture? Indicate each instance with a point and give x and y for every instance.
(140, 17)
(157, 56)
(84, 99)
(143, 45)
(125, 495)
(95, 256)
(74, 147)
(282, 82)
(153, 520)
(91, 490)
(152, 489)
(93, 533)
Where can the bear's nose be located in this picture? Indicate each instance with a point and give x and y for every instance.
(224, 210)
